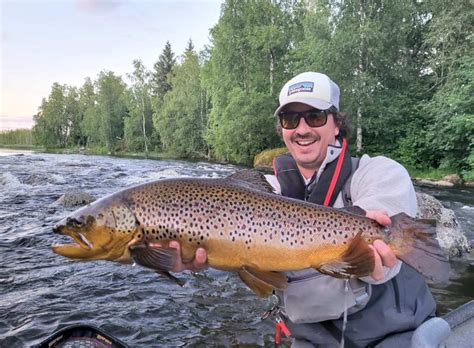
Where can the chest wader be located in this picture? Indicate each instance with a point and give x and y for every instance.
(314, 302)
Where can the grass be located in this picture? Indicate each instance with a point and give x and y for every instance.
(430, 173)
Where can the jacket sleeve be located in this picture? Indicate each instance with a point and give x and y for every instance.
(383, 184)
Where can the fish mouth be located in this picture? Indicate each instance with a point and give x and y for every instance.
(72, 228)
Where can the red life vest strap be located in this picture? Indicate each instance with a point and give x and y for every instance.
(337, 172)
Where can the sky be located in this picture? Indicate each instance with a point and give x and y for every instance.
(65, 41)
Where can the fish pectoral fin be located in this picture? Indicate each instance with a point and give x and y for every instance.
(262, 282)
(171, 277)
(157, 258)
(358, 260)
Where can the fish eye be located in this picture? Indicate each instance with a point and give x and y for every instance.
(75, 222)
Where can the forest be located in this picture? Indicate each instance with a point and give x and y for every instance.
(405, 69)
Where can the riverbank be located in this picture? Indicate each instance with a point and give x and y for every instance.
(445, 177)
(23, 147)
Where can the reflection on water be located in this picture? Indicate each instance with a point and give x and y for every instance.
(41, 292)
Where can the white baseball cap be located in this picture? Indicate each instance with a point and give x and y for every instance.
(311, 88)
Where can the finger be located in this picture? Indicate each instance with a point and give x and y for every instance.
(381, 216)
(386, 254)
(200, 260)
(378, 272)
(178, 265)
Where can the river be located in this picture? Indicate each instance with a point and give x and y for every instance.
(41, 291)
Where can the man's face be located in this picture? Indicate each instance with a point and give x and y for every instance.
(306, 144)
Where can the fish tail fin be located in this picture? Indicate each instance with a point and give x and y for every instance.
(414, 242)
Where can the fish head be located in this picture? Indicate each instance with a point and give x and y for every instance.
(102, 230)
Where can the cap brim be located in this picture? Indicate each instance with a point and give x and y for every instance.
(315, 103)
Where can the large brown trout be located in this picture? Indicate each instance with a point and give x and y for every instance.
(244, 228)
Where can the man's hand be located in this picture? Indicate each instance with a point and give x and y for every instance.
(198, 263)
(384, 256)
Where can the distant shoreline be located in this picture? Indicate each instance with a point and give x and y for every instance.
(421, 179)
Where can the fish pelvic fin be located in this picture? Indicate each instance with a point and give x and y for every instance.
(414, 242)
(358, 260)
(262, 283)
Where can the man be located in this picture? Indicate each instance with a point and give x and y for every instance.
(384, 308)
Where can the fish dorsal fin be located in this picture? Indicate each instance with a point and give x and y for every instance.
(252, 179)
(262, 282)
(354, 209)
(358, 260)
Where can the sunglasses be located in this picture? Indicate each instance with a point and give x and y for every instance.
(313, 118)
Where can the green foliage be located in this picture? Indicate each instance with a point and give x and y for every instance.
(160, 85)
(52, 123)
(405, 69)
(17, 137)
(451, 60)
(246, 127)
(265, 158)
(73, 117)
(161, 72)
(138, 126)
(181, 120)
(247, 65)
(90, 124)
(112, 108)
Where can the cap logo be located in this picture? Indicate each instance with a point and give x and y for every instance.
(301, 87)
